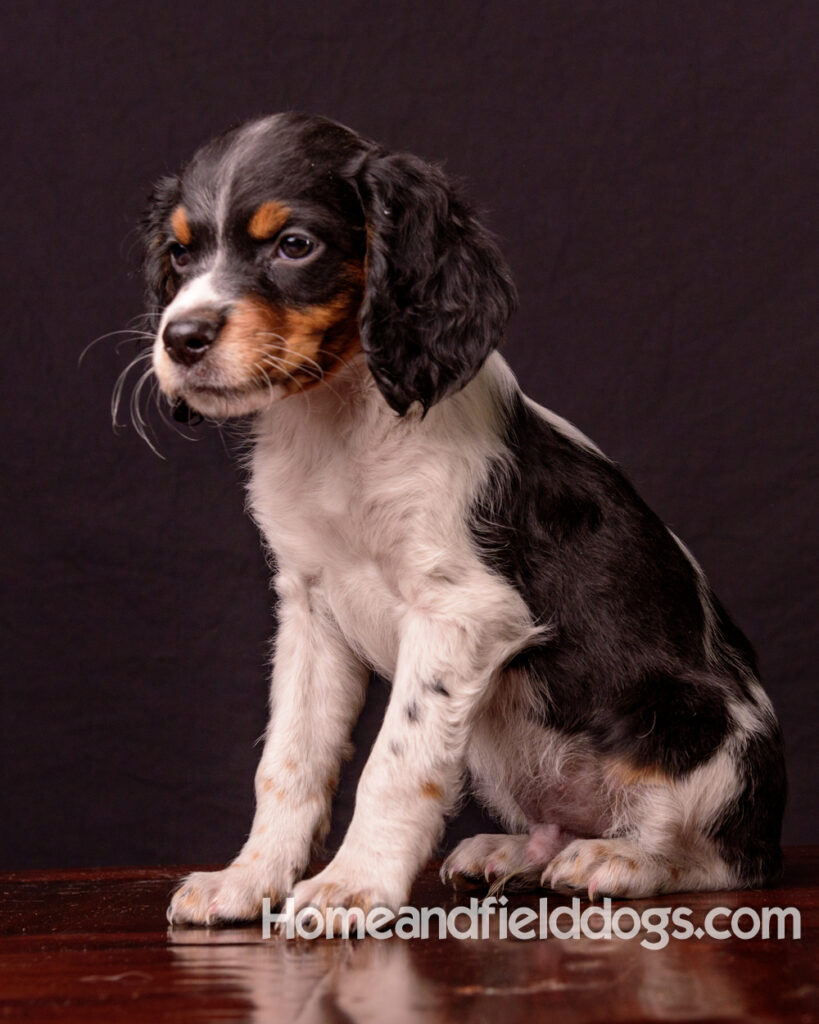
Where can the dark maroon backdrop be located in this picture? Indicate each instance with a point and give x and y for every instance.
(651, 168)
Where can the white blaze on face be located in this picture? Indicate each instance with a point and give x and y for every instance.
(196, 294)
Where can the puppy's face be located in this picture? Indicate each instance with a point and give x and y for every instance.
(289, 243)
(256, 257)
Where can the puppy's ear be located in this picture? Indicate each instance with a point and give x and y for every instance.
(156, 266)
(438, 294)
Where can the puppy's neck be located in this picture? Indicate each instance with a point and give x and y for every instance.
(347, 398)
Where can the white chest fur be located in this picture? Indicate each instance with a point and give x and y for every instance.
(371, 508)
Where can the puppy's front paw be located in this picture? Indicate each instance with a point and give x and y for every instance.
(496, 859)
(339, 887)
(211, 897)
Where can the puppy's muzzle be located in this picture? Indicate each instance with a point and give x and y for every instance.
(188, 339)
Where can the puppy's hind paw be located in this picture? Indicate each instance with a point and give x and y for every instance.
(605, 867)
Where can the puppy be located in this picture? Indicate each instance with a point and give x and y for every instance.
(549, 641)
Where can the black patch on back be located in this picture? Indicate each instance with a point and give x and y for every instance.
(627, 662)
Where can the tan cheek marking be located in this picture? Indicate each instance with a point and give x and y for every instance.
(306, 326)
(249, 328)
(295, 338)
(290, 766)
(432, 791)
(268, 220)
(306, 329)
(181, 227)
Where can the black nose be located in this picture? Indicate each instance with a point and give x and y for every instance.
(190, 337)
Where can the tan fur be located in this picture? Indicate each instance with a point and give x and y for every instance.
(623, 774)
(268, 220)
(180, 226)
(290, 346)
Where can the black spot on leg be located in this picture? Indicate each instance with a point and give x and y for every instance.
(412, 712)
(436, 686)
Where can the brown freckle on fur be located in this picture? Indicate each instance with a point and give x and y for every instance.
(290, 766)
(268, 785)
(180, 226)
(254, 855)
(432, 790)
(268, 220)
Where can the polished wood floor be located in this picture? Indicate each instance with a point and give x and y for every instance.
(94, 946)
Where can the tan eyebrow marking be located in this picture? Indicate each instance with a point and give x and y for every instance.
(181, 227)
(268, 219)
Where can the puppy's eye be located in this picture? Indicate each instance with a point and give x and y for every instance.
(295, 247)
(180, 255)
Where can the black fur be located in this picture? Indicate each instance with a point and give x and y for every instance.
(626, 666)
(749, 830)
(438, 293)
(156, 265)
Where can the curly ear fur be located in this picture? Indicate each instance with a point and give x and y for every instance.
(438, 293)
(156, 261)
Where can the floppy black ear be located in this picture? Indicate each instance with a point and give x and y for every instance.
(156, 266)
(438, 294)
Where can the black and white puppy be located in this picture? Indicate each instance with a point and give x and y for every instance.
(548, 639)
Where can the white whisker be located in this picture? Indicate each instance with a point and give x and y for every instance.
(119, 385)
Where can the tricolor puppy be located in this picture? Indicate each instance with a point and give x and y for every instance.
(550, 643)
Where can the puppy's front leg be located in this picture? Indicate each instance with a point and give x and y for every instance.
(317, 691)
(415, 769)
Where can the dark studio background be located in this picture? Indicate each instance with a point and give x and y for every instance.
(651, 169)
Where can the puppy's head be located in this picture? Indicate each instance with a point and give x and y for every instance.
(291, 244)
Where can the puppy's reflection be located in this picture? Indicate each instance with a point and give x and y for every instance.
(372, 980)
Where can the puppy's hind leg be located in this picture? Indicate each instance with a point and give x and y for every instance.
(664, 840)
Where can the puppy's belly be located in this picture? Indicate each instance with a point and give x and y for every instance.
(530, 775)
